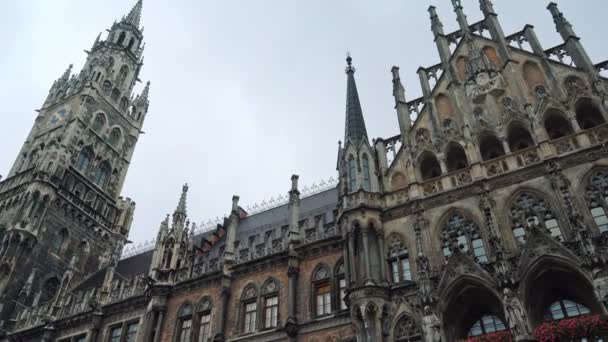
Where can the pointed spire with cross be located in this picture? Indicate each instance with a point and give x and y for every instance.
(355, 131)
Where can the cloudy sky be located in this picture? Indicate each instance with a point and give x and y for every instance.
(245, 93)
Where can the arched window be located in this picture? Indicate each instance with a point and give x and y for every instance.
(107, 87)
(588, 114)
(168, 254)
(102, 174)
(565, 308)
(271, 304)
(115, 94)
(122, 76)
(321, 291)
(398, 260)
(528, 210)
(456, 158)
(84, 160)
(49, 289)
(490, 147)
(429, 166)
(98, 123)
(556, 124)
(184, 323)
(115, 137)
(79, 190)
(203, 309)
(407, 330)
(58, 240)
(365, 169)
(249, 309)
(461, 232)
(130, 45)
(597, 198)
(341, 281)
(487, 324)
(352, 174)
(519, 137)
(121, 38)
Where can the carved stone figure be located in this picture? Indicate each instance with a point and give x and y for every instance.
(431, 326)
(514, 313)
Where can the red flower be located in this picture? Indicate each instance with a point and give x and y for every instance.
(577, 327)
(500, 336)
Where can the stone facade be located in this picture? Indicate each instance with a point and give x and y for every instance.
(488, 212)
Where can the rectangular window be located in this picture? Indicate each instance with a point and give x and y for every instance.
(131, 332)
(520, 234)
(323, 300)
(115, 333)
(343, 294)
(204, 332)
(186, 330)
(599, 216)
(395, 271)
(407, 270)
(250, 317)
(553, 227)
(272, 312)
(479, 250)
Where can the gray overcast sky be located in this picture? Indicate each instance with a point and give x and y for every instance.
(245, 93)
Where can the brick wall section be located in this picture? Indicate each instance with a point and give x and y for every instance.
(307, 267)
(233, 323)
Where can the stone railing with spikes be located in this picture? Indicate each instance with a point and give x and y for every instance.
(209, 225)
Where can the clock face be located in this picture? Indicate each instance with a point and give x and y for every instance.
(57, 118)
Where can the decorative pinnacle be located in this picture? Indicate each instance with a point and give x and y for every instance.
(143, 97)
(457, 4)
(487, 7)
(134, 15)
(294, 182)
(66, 75)
(235, 203)
(181, 207)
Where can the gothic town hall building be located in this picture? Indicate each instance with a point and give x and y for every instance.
(486, 215)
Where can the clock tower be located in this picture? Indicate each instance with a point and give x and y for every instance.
(61, 214)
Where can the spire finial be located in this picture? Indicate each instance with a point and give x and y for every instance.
(355, 124)
(349, 63)
(134, 15)
(436, 24)
(181, 207)
(487, 7)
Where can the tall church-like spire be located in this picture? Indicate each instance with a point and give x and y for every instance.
(355, 131)
(134, 15)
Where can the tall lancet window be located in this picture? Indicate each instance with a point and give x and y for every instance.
(365, 167)
(597, 198)
(352, 174)
(465, 233)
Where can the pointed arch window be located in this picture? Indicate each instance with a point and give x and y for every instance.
(115, 137)
(407, 330)
(597, 199)
(121, 38)
(122, 76)
(366, 176)
(84, 160)
(49, 289)
(184, 323)
(556, 124)
(399, 261)
(528, 210)
(203, 331)
(322, 291)
(462, 232)
(249, 309)
(271, 304)
(565, 308)
(98, 123)
(588, 114)
(487, 324)
(58, 240)
(352, 174)
(102, 174)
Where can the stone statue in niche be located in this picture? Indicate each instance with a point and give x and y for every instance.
(482, 77)
(431, 326)
(514, 313)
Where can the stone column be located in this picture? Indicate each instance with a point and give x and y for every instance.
(219, 336)
(159, 325)
(346, 256)
(505, 145)
(381, 254)
(366, 255)
(291, 326)
(352, 255)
